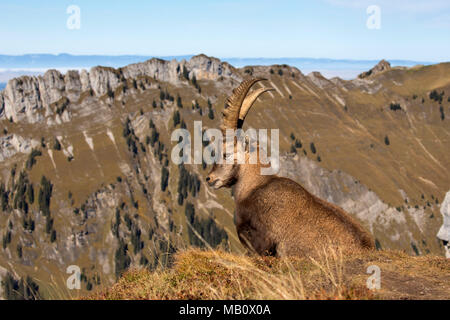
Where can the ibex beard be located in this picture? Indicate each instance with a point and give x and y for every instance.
(274, 215)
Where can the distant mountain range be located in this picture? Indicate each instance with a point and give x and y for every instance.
(45, 61)
(13, 66)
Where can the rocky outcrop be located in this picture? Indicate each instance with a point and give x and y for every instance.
(30, 99)
(13, 144)
(2, 102)
(444, 231)
(102, 79)
(22, 98)
(208, 68)
(381, 66)
(201, 66)
(168, 71)
(319, 80)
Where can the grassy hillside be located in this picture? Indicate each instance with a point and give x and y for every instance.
(200, 274)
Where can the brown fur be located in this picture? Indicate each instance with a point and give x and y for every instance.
(277, 216)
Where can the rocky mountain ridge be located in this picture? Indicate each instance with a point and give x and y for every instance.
(26, 98)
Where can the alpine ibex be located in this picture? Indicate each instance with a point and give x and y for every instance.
(274, 215)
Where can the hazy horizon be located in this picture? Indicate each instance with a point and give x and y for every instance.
(200, 53)
(12, 66)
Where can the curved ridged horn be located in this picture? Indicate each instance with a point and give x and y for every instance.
(248, 103)
(234, 103)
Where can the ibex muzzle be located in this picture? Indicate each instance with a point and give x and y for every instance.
(222, 175)
(275, 215)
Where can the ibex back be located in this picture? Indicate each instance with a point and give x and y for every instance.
(274, 215)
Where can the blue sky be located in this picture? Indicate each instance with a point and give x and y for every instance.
(413, 30)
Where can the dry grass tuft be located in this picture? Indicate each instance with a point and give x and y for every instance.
(199, 274)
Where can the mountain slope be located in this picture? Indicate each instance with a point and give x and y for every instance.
(112, 198)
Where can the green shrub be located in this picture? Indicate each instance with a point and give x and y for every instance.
(164, 178)
(176, 118)
(57, 145)
(32, 158)
(434, 95)
(395, 106)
